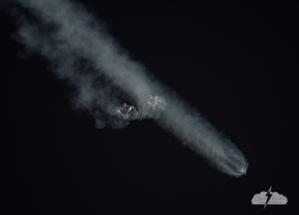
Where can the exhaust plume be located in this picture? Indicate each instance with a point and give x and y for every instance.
(111, 86)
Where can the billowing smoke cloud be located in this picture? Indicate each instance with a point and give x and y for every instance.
(103, 77)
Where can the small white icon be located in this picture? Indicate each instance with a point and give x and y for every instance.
(269, 198)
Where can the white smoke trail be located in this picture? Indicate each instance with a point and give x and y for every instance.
(103, 76)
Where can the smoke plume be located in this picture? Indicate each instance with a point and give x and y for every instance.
(103, 77)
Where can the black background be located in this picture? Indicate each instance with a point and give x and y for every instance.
(236, 61)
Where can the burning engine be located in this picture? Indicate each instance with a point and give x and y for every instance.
(151, 109)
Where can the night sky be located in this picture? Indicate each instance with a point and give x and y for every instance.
(235, 61)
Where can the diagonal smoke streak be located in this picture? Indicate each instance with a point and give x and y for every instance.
(103, 76)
